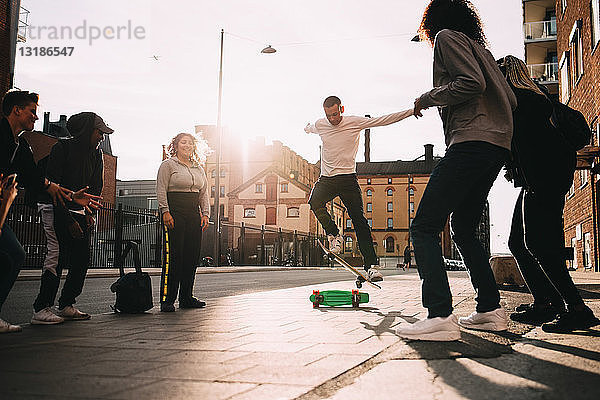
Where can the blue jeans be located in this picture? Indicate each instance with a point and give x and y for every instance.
(458, 186)
(12, 257)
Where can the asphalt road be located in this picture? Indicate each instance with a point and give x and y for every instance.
(97, 297)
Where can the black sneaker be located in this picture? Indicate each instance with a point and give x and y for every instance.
(536, 314)
(192, 303)
(572, 321)
(167, 307)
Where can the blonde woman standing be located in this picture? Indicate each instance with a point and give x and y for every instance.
(182, 192)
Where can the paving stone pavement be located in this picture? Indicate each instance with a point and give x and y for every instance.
(274, 345)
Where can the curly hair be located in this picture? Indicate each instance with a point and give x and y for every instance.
(457, 15)
(172, 148)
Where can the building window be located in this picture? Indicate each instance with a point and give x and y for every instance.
(565, 77)
(411, 207)
(368, 181)
(587, 251)
(390, 192)
(249, 213)
(222, 212)
(212, 191)
(390, 223)
(410, 220)
(410, 179)
(212, 173)
(293, 212)
(222, 173)
(574, 246)
(222, 191)
(258, 188)
(411, 192)
(390, 206)
(369, 192)
(370, 222)
(389, 245)
(563, 5)
(571, 189)
(348, 244)
(348, 223)
(595, 18)
(152, 204)
(284, 187)
(389, 181)
(576, 52)
(369, 207)
(583, 177)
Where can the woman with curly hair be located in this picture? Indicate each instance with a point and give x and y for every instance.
(475, 104)
(182, 192)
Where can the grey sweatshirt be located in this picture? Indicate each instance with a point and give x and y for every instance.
(473, 97)
(174, 176)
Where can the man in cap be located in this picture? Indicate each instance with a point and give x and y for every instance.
(75, 163)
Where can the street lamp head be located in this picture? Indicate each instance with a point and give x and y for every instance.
(268, 50)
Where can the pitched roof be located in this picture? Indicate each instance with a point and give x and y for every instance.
(398, 167)
(264, 172)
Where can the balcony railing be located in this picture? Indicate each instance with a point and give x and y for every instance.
(542, 30)
(544, 73)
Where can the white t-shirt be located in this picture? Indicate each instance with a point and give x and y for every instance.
(340, 142)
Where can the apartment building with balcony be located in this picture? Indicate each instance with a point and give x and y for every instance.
(578, 42)
(539, 32)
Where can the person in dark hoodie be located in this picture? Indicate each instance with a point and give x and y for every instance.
(475, 104)
(76, 164)
(19, 113)
(543, 165)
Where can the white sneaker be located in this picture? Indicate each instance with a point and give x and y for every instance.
(494, 321)
(70, 313)
(435, 329)
(46, 317)
(335, 243)
(374, 275)
(6, 327)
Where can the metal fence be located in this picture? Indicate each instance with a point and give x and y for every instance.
(239, 244)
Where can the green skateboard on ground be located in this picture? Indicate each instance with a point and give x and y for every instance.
(334, 298)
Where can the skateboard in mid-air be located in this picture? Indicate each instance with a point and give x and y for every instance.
(360, 277)
(334, 298)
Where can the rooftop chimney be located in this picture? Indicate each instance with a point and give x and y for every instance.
(367, 143)
(429, 155)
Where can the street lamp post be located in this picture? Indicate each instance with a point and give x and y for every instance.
(217, 213)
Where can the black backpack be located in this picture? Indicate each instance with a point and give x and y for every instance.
(134, 289)
(572, 124)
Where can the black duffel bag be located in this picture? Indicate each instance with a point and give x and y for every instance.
(134, 289)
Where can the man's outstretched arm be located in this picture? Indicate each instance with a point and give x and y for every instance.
(388, 119)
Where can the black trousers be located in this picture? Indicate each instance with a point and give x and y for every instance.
(185, 239)
(458, 186)
(537, 241)
(346, 187)
(12, 257)
(74, 255)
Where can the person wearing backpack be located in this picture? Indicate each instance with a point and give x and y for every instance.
(543, 164)
(76, 164)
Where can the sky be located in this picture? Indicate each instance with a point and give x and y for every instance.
(160, 77)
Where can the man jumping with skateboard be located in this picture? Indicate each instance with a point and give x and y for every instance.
(340, 136)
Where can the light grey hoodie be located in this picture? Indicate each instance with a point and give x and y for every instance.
(474, 99)
(174, 176)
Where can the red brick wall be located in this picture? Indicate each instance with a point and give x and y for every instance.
(584, 97)
(4, 47)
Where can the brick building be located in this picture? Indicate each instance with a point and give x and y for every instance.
(578, 38)
(13, 20)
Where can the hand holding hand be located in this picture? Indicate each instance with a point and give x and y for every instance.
(168, 220)
(418, 108)
(59, 194)
(204, 222)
